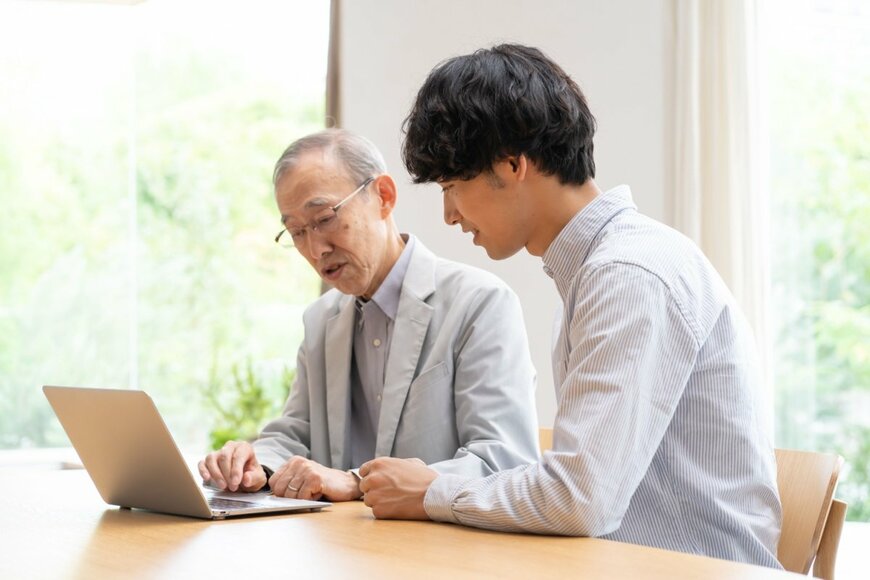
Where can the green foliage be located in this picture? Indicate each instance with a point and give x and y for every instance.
(821, 195)
(243, 403)
(107, 285)
(854, 487)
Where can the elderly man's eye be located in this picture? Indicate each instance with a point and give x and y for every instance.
(324, 220)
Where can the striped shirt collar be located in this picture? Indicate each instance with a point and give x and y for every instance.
(388, 293)
(571, 247)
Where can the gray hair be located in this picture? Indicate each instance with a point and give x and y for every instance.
(355, 154)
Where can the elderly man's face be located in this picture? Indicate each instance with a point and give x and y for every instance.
(350, 254)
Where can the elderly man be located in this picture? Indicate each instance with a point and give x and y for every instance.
(410, 356)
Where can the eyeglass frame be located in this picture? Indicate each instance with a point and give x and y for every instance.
(313, 226)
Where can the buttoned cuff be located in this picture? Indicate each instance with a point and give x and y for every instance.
(439, 498)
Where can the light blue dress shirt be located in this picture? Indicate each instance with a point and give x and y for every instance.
(373, 335)
(658, 438)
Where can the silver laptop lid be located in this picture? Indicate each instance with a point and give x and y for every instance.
(127, 449)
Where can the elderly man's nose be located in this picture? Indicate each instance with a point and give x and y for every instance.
(318, 245)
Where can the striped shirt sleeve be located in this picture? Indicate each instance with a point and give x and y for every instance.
(628, 353)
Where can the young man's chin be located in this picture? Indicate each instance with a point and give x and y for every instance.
(500, 253)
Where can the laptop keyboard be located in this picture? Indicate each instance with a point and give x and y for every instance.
(220, 503)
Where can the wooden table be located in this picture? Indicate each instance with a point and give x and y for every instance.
(54, 525)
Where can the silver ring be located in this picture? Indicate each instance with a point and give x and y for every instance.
(291, 488)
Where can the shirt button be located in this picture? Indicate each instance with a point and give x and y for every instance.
(376, 342)
(379, 397)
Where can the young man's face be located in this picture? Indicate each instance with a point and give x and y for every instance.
(491, 208)
(351, 255)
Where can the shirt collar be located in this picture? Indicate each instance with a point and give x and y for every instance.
(388, 293)
(572, 245)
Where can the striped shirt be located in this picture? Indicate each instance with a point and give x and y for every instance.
(658, 438)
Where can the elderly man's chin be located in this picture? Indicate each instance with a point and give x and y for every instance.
(346, 284)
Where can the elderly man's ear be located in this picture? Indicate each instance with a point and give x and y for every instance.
(385, 188)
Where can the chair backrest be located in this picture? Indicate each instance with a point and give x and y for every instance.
(826, 557)
(806, 484)
(545, 439)
(811, 519)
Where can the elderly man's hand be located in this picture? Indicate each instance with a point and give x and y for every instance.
(234, 467)
(303, 478)
(395, 488)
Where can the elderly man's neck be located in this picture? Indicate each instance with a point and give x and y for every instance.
(391, 252)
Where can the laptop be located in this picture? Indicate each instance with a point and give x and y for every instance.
(132, 459)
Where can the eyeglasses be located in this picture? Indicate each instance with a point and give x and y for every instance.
(325, 223)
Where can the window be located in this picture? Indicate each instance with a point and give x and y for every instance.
(136, 150)
(819, 107)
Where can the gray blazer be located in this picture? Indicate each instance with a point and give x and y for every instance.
(459, 383)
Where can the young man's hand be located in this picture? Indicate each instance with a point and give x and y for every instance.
(395, 488)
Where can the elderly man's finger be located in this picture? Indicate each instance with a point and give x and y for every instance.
(225, 461)
(214, 471)
(311, 489)
(293, 485)
(240, 457)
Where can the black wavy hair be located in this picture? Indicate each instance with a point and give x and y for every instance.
(477, 109)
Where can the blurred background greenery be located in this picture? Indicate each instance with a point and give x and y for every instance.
(820, 183)
(136, 233)
(243, 402)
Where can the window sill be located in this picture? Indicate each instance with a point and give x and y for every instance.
(50, 458)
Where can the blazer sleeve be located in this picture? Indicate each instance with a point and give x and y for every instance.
(289, 434)
(494, 388)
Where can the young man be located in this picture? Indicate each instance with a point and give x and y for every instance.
(409, 356)
(657, 438)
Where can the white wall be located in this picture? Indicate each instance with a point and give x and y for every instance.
(617, 50)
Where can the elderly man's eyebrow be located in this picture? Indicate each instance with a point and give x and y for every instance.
(317, 202)
(311, 203)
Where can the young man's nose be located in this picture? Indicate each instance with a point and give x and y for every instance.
(451, 215)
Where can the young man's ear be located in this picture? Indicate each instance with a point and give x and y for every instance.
(385, 189)
(513, 168)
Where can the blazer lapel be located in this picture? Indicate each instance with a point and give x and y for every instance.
(337, 356)
(409, 334)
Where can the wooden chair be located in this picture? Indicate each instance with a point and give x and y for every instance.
(545, 439)
(812, 520)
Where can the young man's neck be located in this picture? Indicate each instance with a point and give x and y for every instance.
(556, 205)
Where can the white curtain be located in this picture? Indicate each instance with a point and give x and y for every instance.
(721, 194)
